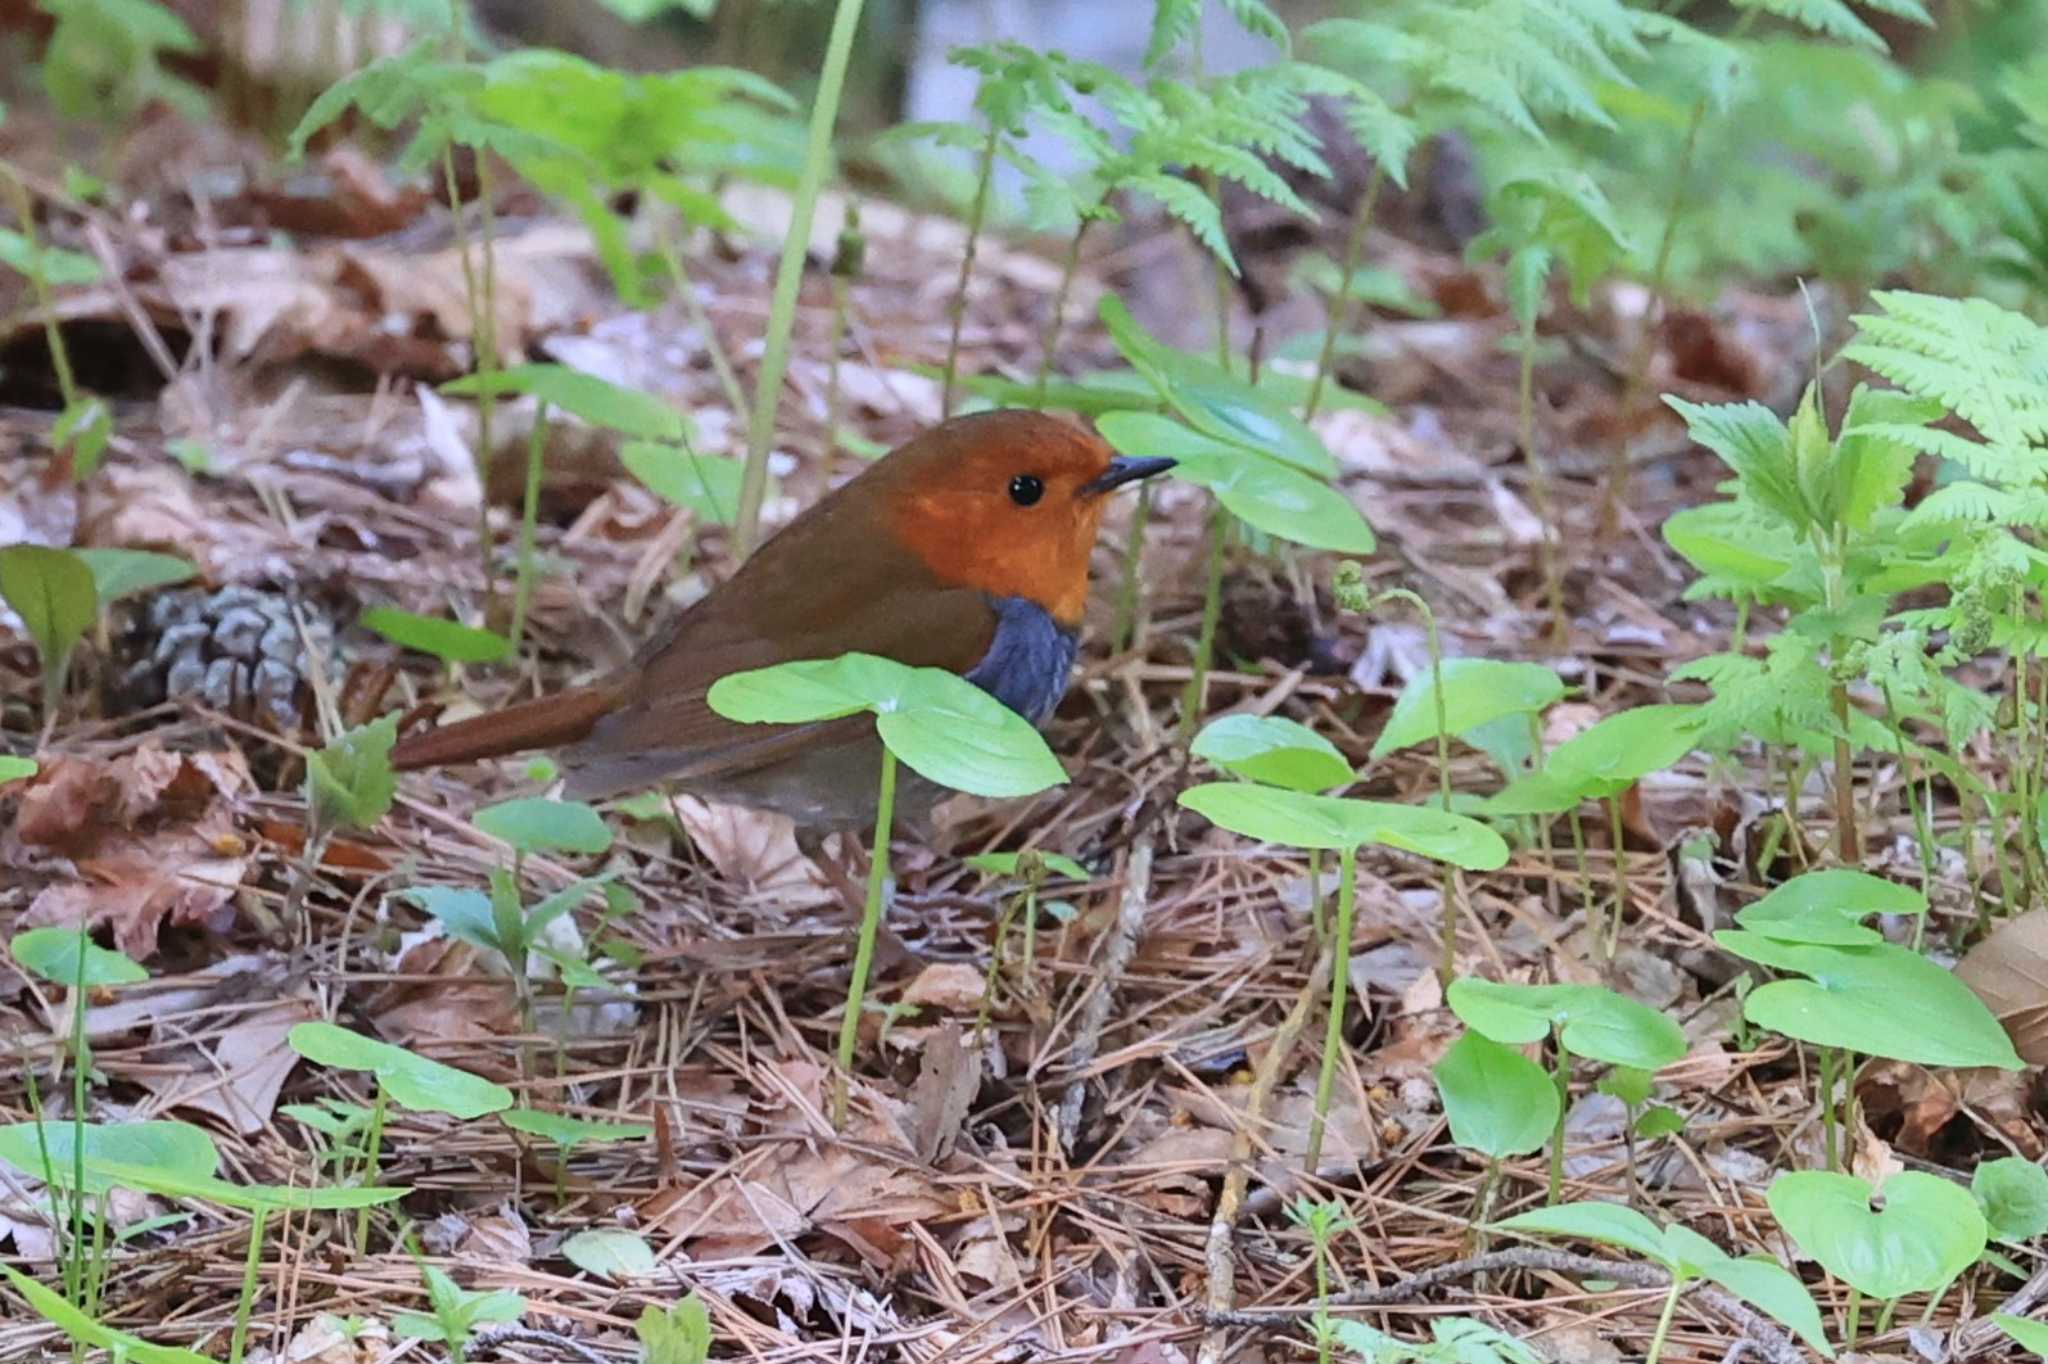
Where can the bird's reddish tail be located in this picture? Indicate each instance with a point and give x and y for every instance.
(549, 722)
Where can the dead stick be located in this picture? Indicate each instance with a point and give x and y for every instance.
(1130, 922)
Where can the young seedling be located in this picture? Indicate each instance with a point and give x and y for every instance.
(568, 1133)
(1927, 1233)
(1274, 751)
(1498, 1103)
(1298, 820)
(84, 427)
(677, 1334)
(1324, 1222)
(349, 785)
(1633, 1088)
(1032, 867)
(941, 726)
(2012, 1191)
(52, 591)
(455, 1312)
(1453, 1340)
(1687, 1257)
(1589, 1021)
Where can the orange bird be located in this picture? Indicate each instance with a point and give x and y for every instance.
(966, 549)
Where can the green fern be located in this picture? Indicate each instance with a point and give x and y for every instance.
(1835, 18)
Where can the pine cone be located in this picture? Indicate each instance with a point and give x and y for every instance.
(236, 649)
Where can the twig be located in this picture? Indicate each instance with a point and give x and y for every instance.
(492, 1337)
(1763, 1337)
(1221, 1262)
(1130, 921)
(1982, 1333)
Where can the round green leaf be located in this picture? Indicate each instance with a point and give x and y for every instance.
(52, 953)
(1477, 691)
(1272, 751)
(1297, 819)
(117, 573)
(566, 1132)
(1928, 1232)
(1592, 1021)
(2013, 1193)
(1499, 1102)
(170, 1147)
(536, 824)
(448, 640)
(1608, 758)
(610, 1253)
(1282, 502)
(595, 400)
(1607, 1224)
(1877, 999)
(1828, 907)
(801, 692)
(411, 1080)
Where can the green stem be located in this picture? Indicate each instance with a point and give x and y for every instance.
(1586, 910)
(252, 1265)
(789, 273)
(1827, 1107)
(1212, 610)
(977, 213)
(1068, 269)
(1220, 273)
(24, 212)
(1322, 1319)
(1854, 1327)
(1127, 590)
(482, 337)
(1340, 306)
(81, 1066)
(1315, 892)
(1617, 833)
(373, 1150)
(1539, 485)
(1333, 1032)
(870, 922)
(529, 519)
(1561, 1072)
(1030, 929)
(1664, 1320)
(700, 318)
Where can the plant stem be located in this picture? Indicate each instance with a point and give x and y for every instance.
(81, 1067)
(1854, 1326)
(1827, 1107)
(1340, 975)
(789, 273)
(1617, 833)
(1340, 306)
(252, 1265)
(1134, 553)
(373, 1149)
(1664, 1320)
(1315, 892)
(1447, 964)
(483, 338)
(1561, 1071)
(977, 213)
(1212, 609)
(1322, 1317)
(686, 290)
(24, 211)
(1846, 842)
(1586, 910)
(1539, 486)
(1068, 269)
(870, 921)
(529, 518)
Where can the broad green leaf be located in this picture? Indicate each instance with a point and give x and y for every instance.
(708, 485)
(15, 769)
(1724, 539)
(1928, 1232)
(52, 953)
(1876, 999)
(350, 783)
(53, 593)
(1608, 1224)
(118, 573)
(681, 1334)
(1539, 793)
(610, 1253)
(568, 1132)
(411, 1080)
(538, 825)
(173, 1147)
(448, 640)
(1499, 1102)
(1612, 755)
(1628, 1084)
(1659, 1121)
(1477, 691)
(465, 913)
(2013, 1192)
(1754, 442)
(1828, 907)
(54, 265)
(1005, 864)
(1273, 751)
(212, 1189)
(1773, 1290)
(1297, 819)
(594, 400)
(54, 1308)
(1592, 1020)
(2031, 1334)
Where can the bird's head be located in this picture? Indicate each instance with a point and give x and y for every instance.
(1008, 503)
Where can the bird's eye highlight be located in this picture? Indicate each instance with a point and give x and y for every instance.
(1026, 489)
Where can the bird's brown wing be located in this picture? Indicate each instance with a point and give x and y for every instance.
(826, 587)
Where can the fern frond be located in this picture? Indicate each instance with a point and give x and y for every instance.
(1257, 19)
(1964, 503)
(1754, 442)
(1173, 22)
(1189, 203)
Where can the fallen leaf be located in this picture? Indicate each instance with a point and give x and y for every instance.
(948, 1077)
(2009, 972)
(755, 849)
(956, 987)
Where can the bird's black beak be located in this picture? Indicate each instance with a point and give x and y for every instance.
(1122, 471)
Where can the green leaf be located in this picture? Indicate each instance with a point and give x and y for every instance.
(1611, 756)
(1876, 999)
(569, 1132)
(53, 265)
(1539, 793)
(1751, 440)
(118, 573)
(1772, 1289)
(1728, 540)
(679, 1335)
(411, 1080)
(1005, 864)
(1928, 1232)
(1608, 1224)
(2031, 1334)
(15, 769)
(610, 1253)
(1477, 691)
(939, 725)
(350, 783)
(1297, 819)
(1828, 907)
(1273, 751)
(1628, 1084)
(538, 825)
(594, 400)
(209, 1188)
(52, 953)
(172, 1147)
(706, 485)
(53, 593)
(1499, 1102)
(58, 1311)
(1659, 1121)
(465, 913)
(2013, 1193)
(1592, 1020)
(448, 640)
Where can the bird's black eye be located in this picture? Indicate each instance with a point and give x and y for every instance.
(1025, 489)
